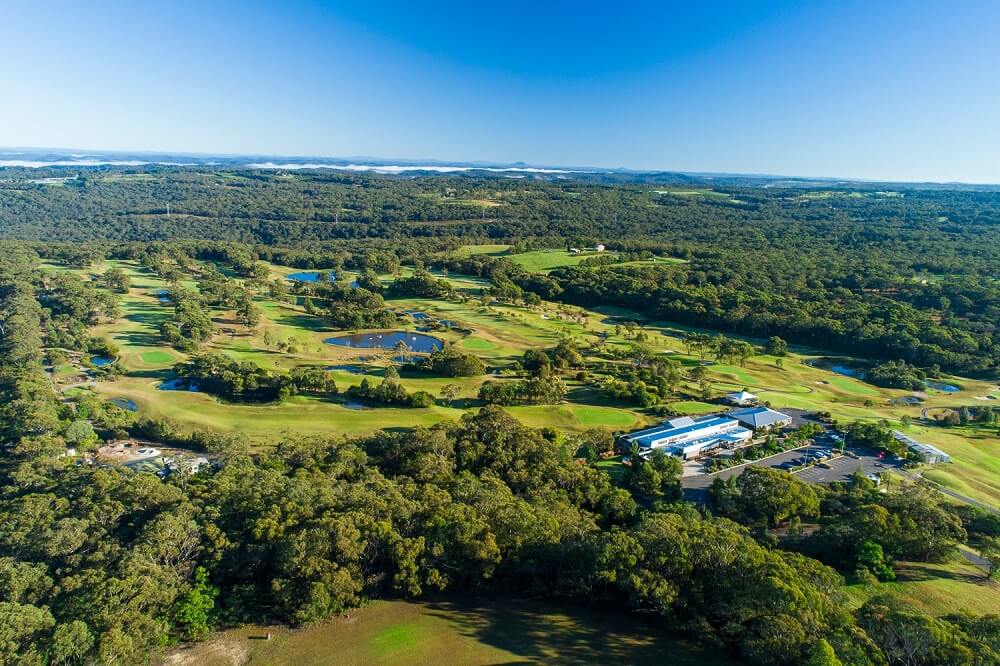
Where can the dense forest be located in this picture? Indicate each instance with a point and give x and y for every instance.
(904, 275)
(106, 565)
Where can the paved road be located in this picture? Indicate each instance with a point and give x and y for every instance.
(951, 493)
(974, 559)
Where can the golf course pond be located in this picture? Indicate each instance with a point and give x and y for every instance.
(353, 369)
(178, 384)
(311, 276)
(415, 342)
(125, 403)
(101, 361)
(941, 386)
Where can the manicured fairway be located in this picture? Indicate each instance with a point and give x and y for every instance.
(454, 633)
(576, 417)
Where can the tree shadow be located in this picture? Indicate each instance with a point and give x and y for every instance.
(544, 632)
(305, 322)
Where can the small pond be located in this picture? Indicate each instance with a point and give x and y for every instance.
(125, 403)
(941, 386)
(838, 368)
(354, 404)
(353, 369)
(178, 384)
(101, 361)
(847, 371)
(419, 316)
(415, 342)
(311, 276)
(163, 295)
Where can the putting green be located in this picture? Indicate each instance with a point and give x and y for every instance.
(157, 357)
(478, 344)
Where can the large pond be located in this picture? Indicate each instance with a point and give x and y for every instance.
(311, 276)
(415, 342)
(101, 361)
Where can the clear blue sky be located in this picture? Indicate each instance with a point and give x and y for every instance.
(900, 89)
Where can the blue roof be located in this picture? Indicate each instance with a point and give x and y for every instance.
(644, 437)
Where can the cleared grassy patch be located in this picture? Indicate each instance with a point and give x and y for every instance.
(540, 261)
(937, 589)
(455, 632)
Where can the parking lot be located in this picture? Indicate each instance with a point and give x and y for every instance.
(839, 469)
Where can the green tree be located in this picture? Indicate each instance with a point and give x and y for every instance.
(775, 346)
(989, 550)
(80, 433)
(870, 556)
(449, 392)
(193, 611)
(821, 654)
(71, 642)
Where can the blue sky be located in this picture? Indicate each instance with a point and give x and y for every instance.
(904, 90)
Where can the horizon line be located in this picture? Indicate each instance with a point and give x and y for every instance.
(472, 164)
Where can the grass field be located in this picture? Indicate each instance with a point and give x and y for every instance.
(453, 633)
(542, 261)
(937, 589)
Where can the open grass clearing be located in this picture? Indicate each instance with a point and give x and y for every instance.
(463, 632)
(937, 589)
(542, 261)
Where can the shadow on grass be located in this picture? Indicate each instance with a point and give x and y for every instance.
(303, 321)
(915, 572)
(161, 374)
(542, 632)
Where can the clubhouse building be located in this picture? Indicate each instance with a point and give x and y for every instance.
(689, 438)
(760, 418)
